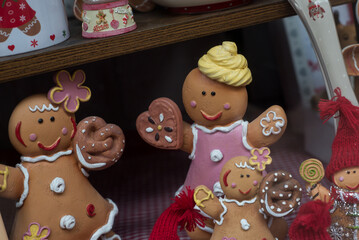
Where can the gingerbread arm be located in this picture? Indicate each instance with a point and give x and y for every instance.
(11, 182)
(207, 202)
(187, 145)
(268, 127)
(317, 191)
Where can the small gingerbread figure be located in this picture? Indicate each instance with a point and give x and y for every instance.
(17, 14)
(338, 206)
(215, 98)
(250, 198)
(55, 200)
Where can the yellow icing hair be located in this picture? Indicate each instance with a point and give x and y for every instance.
(223, 64)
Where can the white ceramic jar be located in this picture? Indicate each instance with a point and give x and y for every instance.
(28, 25)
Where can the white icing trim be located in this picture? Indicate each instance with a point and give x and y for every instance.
(86, 174)
(224, 129)
(29, 26)
(201, 212)
(111, 238)
(278, 124)
(67, 222)
(354, 60)
(83, 161)
(45, 157)
(57, 185)
(245, 165)
(108, 226)
(206, 228)
(26, 185)
(43, 108)
(217, 189)
(269, 210)
(240, 204)
(4, 33)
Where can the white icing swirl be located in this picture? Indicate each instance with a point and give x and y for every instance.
(216, 155)
(67, 222)
(57, 185)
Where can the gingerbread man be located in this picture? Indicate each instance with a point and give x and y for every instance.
(55, 199)
(250, 198)
(338, 206)
(215, 98)
(17, 14)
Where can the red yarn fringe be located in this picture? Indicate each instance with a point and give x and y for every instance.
(179, 214)
(342, 105)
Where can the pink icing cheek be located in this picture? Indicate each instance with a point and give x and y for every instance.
(341, 179)
(233, 185)
(255, 183)
(32, 137)
(64, 131)
(227, 106)
(193, 103)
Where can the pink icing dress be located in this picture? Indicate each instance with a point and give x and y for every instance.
(15, 13)
(212, 148)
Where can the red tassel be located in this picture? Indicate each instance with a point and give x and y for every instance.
(311, 222)
(180, 213)
(342, 105)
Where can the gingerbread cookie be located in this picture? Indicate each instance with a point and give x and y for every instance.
(215, 98)
(55, 200)
(161, 125)
(17, 14)
(241, 213)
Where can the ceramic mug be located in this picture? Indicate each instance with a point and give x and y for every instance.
(28, 25)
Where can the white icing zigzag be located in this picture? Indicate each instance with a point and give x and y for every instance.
(4, 33)
(29, 26)
(108, 226)
(26, 185)
(43, 108)
(45, 157)
(245, 165)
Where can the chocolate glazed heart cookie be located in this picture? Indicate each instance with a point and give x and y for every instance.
(161, 126)
(98, 145)
(279, 194)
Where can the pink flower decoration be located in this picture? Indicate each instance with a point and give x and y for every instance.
(69, 91)
(36, 232)
(260, 157)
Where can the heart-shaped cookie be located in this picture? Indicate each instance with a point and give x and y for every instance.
(161, 126)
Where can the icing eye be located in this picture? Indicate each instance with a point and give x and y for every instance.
(204, 93)
(213, 93)
(348, 172)
(248, 175)
(52, 119)
(40, 120)
(354, 171)
(242, 175)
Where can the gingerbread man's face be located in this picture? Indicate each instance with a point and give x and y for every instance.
(347, 178)
(210, 103)
(239, 180)
(37, 127)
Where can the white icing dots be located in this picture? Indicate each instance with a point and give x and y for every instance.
(149, 130)
(83, 130)
(168, 139)
(216, 155)
(57, 185)
(245, 225)
(276, 179)
(279, 210)
(161, 117)
(298, 199)
(280, 195)
(271, 207)
(284, 202)
(67, 222)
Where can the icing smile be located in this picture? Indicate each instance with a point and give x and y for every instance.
(211, 117)
(51, 147)
(353, 188)
(244, 193)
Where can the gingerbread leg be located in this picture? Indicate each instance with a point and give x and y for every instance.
(32, 27)
(110, 236)
(279, 228)
(199, 234)
(4, 34)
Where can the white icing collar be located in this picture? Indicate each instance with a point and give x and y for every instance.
(45, 157)
(220, 128)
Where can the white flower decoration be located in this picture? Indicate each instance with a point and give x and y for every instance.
(266, 124)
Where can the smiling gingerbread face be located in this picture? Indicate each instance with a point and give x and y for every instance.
(239, 180)
(37, 127)
(211, 103)
(347, 178)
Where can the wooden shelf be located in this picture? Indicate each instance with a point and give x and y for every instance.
(157, 28)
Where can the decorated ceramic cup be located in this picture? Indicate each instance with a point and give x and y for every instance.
(28, 25)
(104, 18)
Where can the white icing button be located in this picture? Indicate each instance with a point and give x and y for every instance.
(216, 155)
(57, 185)
(245, 224)
(67, 222)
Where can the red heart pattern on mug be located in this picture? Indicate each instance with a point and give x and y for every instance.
(52, 37)
(11, 47)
